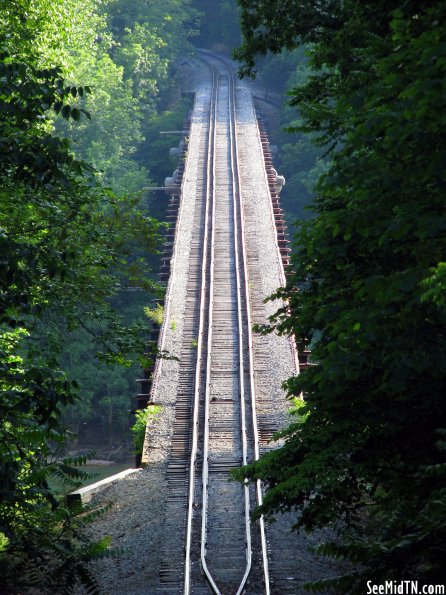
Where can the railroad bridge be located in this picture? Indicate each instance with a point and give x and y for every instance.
(221, 397)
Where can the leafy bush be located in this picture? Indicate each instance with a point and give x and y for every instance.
(143, 417)
(155, 314)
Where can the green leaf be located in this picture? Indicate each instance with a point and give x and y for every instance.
(75, 114)
(66, 111)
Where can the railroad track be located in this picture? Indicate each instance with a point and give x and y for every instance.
(214, 546)
(223, 548)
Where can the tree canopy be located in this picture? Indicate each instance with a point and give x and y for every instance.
(365, 451)
(73, 237)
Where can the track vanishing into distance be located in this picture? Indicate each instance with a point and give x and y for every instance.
(214, 546)
(224, 431)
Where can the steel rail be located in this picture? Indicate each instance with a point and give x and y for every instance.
(250, 353)
(240, 374)
(205, 470)
(237, 207)
(206, 306)
(256, 439)
(198, 366)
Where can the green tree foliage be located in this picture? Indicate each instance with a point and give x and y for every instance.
(155, 149)
(73, 36)
(174, 21)
(150, 38)
(65, 251)
(100, 415)
(141, 55)
(71, 252)
(126, 54)
(61, 33)
(220, 26)
(369, 456)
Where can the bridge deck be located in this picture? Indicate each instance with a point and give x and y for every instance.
(147, 513)
(274, 358)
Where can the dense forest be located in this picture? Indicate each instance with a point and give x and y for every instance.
(126, 64)
(365, 452)
(85, 88)
(354, 96)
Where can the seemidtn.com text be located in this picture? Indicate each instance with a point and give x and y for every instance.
(404, 588)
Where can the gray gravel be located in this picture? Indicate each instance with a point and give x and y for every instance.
(135, 522)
